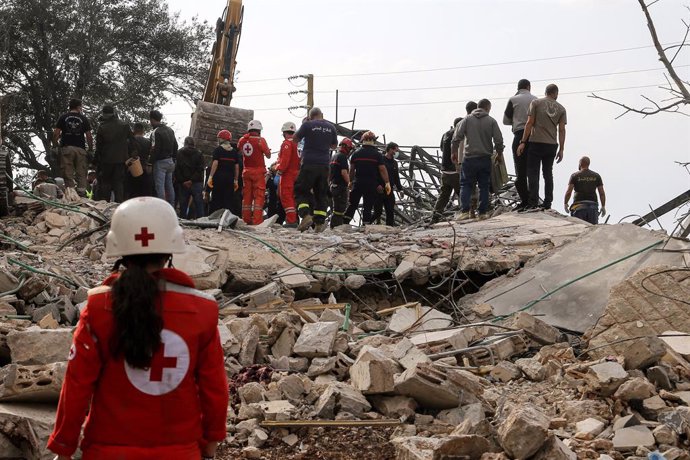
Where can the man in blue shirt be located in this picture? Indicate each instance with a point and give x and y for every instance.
(320, 138)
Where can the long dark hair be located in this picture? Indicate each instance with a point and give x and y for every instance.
(137, 310)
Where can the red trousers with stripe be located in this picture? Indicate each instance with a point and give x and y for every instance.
(253, 195)
(286, 192)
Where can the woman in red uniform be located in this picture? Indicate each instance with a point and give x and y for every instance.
(146, 361)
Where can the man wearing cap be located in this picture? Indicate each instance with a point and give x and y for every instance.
(114, 144)
(163, 151)
(320, 137)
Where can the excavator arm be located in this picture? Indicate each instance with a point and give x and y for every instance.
(220, 83)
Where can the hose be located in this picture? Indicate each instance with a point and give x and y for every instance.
(574, 280)
(15, 242)
(41, 272)
(312, 270)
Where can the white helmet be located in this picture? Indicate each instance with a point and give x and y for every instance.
(289, 126)
(255, 124)
(144, 225)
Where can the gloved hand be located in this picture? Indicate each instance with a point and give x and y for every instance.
(602, 211)
(210, 182)
(388, 188)
(236, 186)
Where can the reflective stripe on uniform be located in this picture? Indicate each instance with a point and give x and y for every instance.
(303, 205)
(336, 213)
(320, 213)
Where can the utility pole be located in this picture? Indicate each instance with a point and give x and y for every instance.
(310, 92)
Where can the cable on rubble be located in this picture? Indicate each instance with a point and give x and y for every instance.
(15, 242)
(574, 280)
(41, 272)
(312, 270)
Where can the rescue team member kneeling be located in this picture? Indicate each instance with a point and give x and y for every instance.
(146, 356)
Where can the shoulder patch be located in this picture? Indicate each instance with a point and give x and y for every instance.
(99, 290)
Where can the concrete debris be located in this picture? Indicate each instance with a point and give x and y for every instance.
(462, 383)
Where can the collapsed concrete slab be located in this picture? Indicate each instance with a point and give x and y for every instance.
(39, 346)
(28, 426)
(40, 383)
(577, 306)
(428, 386)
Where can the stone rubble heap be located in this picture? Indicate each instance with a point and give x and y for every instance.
(470, 386)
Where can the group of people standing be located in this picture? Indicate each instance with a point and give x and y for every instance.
(538, 126)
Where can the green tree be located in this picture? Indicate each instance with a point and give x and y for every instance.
(135, 54)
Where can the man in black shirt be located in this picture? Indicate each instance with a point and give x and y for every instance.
(114, 142)
(69, 133)
(586, 184)
(340, 181)
(388, 199)
(164, 149)
(366, 170)
(189, 176)
(450, 178)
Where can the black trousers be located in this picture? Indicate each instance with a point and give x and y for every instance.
(387, 202)
(540, 155)
(312, 186)
(222, 193)
(111, 179)
(450, 184)
(520, 169)
(359, 191)
(138, 186)
(339, 197)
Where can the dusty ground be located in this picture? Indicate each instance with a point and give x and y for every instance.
(327, 444)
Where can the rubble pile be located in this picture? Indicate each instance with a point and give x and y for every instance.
(355, 343)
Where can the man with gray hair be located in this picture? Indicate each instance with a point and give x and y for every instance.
(481, 135)
(189, 177)
(320, 137)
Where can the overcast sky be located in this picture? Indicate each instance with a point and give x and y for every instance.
(635, 156)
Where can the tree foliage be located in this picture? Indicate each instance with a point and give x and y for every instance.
(134, 54)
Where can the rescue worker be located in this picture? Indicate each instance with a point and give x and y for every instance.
(586, 184)
(339, 180)
(225, 172)
(146, 360)
(288, 169)
(253, 149)
(450, 180)
(69, 133)
(367, 169)
(189, 176)
(387, 200)
(320, 137)
(115, 144)
(142, 185)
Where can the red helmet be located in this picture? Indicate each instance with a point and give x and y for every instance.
(368, 137)
(347, 145)
(225, 135)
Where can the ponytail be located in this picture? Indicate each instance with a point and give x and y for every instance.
(136, 310)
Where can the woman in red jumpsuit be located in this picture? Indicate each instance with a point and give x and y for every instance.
(146, 362)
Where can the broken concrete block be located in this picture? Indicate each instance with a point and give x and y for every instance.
(664, 434)
(575, 411)
(291, 387)
(40, 383)
(340, 397)
(50, 309)
(285, 343)
(355, 282)
(403, 270)
(635, 389)
(252, 392)
(28, 426)
(31, 288)
(373, 372)
(9, 450)
(505, 371)
(404, 318)
(39, 346)
(537, 329)
(643, 352)
(280, 410)
(316, 340)
(590, 426)
(606, 377)
(653, 407)
(658, 375)
(524, 431)
(48, 322)
(428, 386)
(630, 438)
(532, 369)
(678, 341)
(554, 449)
(330, 314)
(251, 452)
(472, 420)
(395, 406)
(439, 266)
(624, 422)
(467, 381)
(420, 448)
(677, 418)
(483, 310)
(321, 366)
(250, 343)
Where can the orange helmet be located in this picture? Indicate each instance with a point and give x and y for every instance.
(347, 145)
(369, 137)
(225, 135)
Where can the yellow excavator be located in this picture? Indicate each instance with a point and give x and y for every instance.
(220, 82)
(213, 112)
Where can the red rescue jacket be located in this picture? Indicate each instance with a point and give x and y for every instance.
(180, 400)
(253, 149)
(288, 158)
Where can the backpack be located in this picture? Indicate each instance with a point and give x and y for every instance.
(446, 141)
